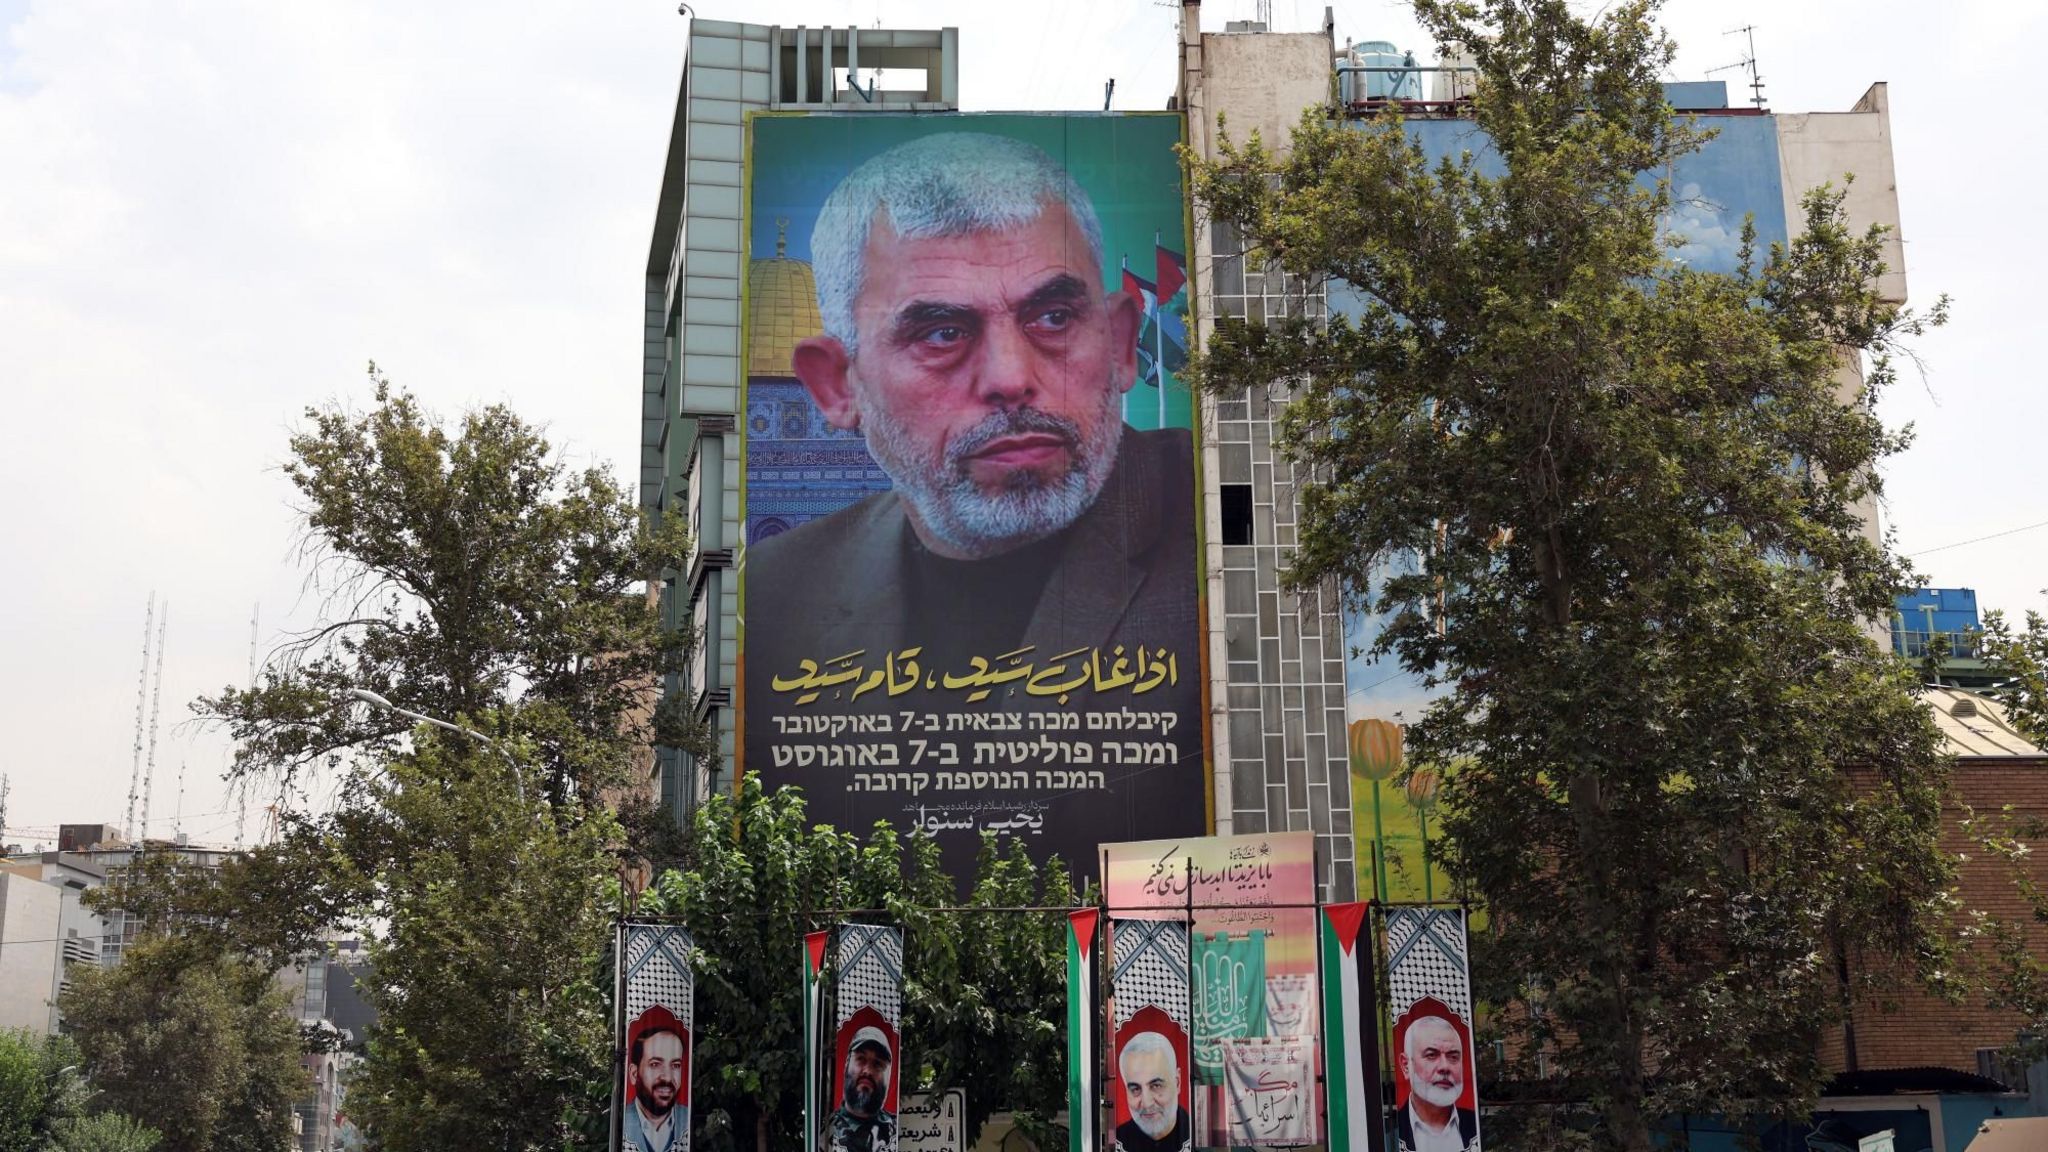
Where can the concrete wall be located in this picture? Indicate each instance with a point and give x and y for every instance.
(1816, 148)
(1276, 669)
(31, 913)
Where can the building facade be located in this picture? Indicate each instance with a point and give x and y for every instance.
(1302, 733)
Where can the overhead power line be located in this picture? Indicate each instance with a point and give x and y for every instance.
(1978, 539)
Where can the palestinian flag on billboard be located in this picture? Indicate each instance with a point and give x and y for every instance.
(1162, 338)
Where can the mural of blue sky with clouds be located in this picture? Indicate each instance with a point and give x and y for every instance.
(1735, 175)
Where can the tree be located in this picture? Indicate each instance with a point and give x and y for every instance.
(39, 1088)
(199, 1046)
(467, 568)
(472, 577)
(2020, 655)
(2011, 966)
(1689, 790)
(106, 1132)
(984, 990)
(489, 1022)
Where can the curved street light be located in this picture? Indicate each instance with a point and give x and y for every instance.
(379, 702)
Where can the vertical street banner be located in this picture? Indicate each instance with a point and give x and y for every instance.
(1429, 986)
(1270, 1082)
(1230, 995)
(659, 1013)
(867, 1044)
(1351, 1065)
(1149, 1035)
(1084, 1099)
(815, 944)
(970, 590)
(1252, 902)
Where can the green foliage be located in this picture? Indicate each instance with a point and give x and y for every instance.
(1638, 494)
(471, 577)
(467, 566)
(2010, 961)
(106, 1132)
(489, 1023)
(200, 1046)
(2020, 655)
(39, 1088)
(984, 991)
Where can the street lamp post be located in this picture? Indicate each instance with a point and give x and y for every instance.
(379, 702)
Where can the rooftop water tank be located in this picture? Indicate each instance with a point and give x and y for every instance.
(1356, 86)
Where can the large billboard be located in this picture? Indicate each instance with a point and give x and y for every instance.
(970, 594)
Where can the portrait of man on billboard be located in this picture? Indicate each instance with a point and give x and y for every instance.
(1152, 1086)
(864, 1119)
(969, 339)
(657, 1083)
(1436, 1105)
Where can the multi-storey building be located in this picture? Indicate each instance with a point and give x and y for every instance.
(1301, 732)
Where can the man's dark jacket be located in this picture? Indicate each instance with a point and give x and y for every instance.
(1132, 1138)
(1126, 574)
(1404, 1129)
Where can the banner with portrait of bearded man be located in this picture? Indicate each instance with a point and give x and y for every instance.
(1436, 1096)
(968, 579)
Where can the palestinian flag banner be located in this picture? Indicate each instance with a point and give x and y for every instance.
(814, 983)
(1083, 1097)
(1351, 1060)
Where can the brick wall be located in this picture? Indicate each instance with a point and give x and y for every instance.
(1919, 1030)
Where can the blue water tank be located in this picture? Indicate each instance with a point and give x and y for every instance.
(1924, 612)
(1356, 86)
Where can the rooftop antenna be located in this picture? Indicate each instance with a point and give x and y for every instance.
(6, 786)
(1756, 79)
(156, 707)
(242, 791)
(1265, 17)
(1108, 90)
(141, 701)
(178, 813)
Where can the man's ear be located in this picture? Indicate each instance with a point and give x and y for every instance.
(1126, 317)
(821, 364)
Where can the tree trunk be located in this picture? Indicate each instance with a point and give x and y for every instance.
(761, 1131)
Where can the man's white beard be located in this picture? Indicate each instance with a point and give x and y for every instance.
(978, 524)
(1441, 1097)
(1157, 1129)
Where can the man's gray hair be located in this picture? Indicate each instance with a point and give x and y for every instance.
(947, 184)
(1148, 1044)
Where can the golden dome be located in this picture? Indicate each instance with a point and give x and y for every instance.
(782, 308)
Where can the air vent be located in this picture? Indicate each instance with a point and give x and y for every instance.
(1963, 709)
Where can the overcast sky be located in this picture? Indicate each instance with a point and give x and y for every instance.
(212, 215)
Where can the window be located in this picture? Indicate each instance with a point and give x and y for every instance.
(1237, 514)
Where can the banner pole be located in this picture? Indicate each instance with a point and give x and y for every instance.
(618, 1114)
(1369, 1030)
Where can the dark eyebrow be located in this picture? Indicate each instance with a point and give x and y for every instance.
(918, 315)
(1064, 288)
